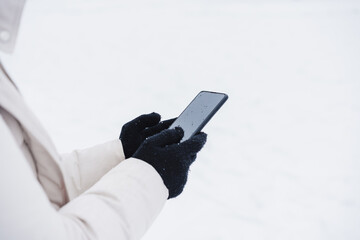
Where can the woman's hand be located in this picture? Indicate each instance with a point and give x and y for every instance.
(136, 131)
(170, 158)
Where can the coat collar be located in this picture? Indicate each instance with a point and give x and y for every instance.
(10, 16)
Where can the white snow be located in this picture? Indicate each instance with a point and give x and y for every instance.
(282, 159)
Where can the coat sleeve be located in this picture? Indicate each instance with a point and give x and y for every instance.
(83, 168)
(121, 205)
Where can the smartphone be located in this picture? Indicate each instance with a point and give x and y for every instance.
(198, 113)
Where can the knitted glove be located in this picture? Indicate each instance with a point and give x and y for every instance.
(136, 131)
(170, 158)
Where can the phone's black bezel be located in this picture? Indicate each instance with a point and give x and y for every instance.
(211, 114)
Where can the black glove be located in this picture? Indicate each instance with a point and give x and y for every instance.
(136, 131)
(170, 158)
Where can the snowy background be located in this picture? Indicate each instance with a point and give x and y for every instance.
(283, 155)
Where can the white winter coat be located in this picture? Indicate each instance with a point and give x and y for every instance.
(88, 194)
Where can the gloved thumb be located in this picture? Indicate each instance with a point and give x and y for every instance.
(166, 137)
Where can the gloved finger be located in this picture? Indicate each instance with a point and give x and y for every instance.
(166, 137)
(194, 144)
(146, 120)
(158, 127)
(167, 123)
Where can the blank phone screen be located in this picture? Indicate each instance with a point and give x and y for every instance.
(199, 112)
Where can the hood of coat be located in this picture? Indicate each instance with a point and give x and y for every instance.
(10, 17)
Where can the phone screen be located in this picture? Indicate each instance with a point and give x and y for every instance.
(199, 112)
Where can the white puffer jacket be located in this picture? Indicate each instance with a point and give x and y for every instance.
(88, 194)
